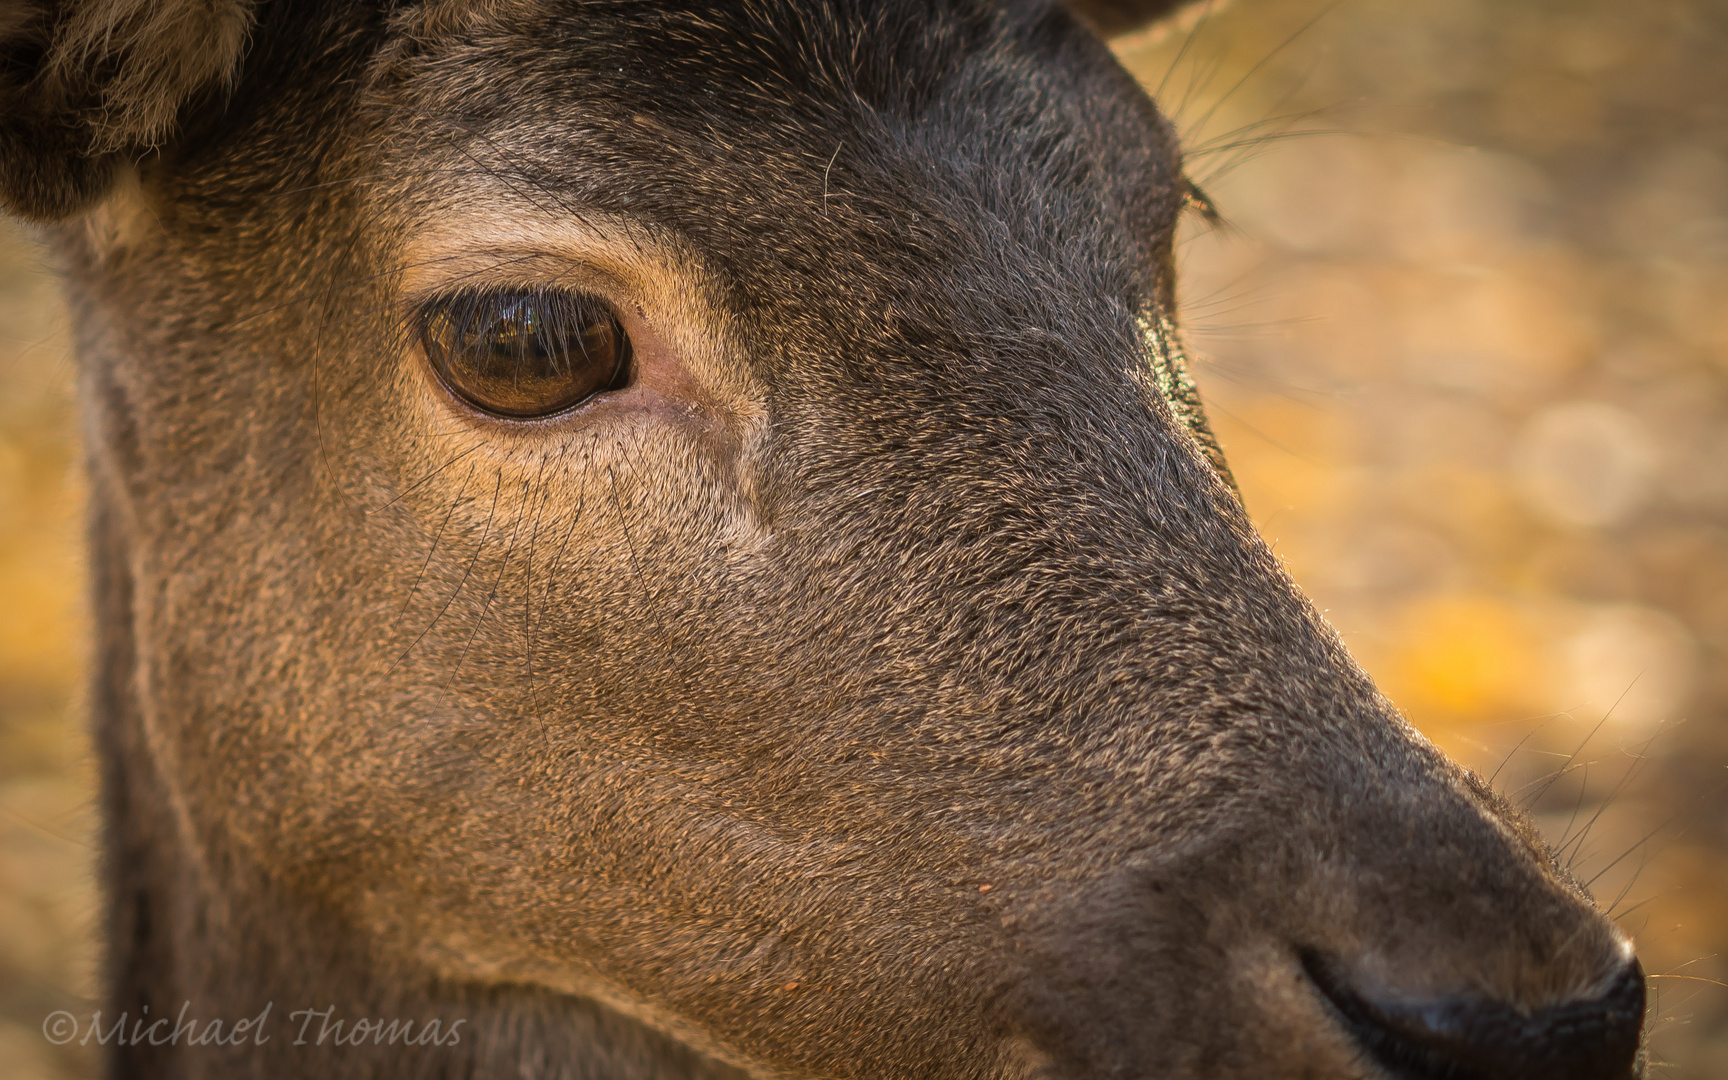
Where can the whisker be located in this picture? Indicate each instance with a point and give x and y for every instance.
(1620, 786)
(415, 486)
(1623, 855)
(1260, 65)
(528, 584)
(461, 584)
(486, 608)
(44, 829)
(431, 551)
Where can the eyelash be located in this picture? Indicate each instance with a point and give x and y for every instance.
(525, 353)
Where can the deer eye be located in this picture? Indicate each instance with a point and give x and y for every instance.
(525, 353)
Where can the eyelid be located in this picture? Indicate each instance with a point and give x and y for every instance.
(526, 270)
(685, 362)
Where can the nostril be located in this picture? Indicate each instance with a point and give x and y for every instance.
(1591, 1039)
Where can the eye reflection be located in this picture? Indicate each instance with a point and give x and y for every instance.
(525, 353)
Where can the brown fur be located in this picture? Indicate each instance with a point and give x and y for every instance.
(886, 683)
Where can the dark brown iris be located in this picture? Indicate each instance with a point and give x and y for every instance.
(525, 353)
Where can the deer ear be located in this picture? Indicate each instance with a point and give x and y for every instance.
(85, 83)
(1113, 17)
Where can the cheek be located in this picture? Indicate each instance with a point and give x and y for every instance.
(579, 547)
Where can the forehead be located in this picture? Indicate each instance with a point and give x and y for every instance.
(766, 130)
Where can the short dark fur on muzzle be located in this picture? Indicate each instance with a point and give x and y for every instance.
(678, 541)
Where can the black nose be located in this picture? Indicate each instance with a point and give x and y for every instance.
(1590, 1039)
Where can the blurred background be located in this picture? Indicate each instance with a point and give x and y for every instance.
(1464, 336)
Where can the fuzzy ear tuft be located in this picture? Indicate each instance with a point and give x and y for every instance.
(85, 82)
(1113, 17)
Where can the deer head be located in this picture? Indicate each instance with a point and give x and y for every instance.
(682, 537)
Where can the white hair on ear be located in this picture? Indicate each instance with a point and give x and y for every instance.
(145, 58)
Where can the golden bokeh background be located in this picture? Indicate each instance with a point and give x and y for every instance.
(1465, 342)
(1464, 335)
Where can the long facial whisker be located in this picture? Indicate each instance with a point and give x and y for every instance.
(459, 585)
(486, 608)
(432, 549)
